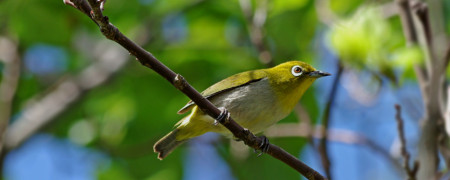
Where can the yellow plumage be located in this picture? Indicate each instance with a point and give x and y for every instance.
(255, 99)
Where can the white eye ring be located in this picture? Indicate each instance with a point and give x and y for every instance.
(297, 70)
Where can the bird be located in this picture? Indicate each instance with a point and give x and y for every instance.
(255, 99)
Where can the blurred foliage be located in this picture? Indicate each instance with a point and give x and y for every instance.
(367, 41)
(203, 40)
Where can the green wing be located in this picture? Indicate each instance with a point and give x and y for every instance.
(228, 84)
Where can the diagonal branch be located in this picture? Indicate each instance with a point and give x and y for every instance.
(148, 60)
(43, 110)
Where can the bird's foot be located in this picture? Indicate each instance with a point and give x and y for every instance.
(223, 117)
(264, 146)
(102, 4)
(70, 3)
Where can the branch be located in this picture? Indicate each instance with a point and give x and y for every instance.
(422, 77)
(323, 144)
(431, 81)
(444, 142)
(148, 60)
(445, 61)
(419, 13)
(407, 21)
(81, 5)
(447, 112)
(411, 173)
(43, 110)
(11, 74)
(438, 26)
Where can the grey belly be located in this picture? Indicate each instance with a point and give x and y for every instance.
(252, 106)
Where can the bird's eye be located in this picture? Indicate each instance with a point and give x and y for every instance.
(296, 71)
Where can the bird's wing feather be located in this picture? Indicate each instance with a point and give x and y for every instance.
(228, 84)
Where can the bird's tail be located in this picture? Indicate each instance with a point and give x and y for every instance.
(167, 144)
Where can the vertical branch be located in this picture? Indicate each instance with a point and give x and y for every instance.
(447, 109)
(407, 22)
(431, 90)
(255, 23)
(444, 138)
(419, 13)
(323, 144)
(431, 82)
(438, 29)
(411, 173)
(8, 86)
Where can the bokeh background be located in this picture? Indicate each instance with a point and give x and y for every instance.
(77, 106)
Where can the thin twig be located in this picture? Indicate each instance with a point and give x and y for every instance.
(323, 143)
(148, 60)
(411, 173)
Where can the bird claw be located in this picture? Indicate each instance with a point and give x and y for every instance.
(223, 117)
(70, 3)
(264, 146)
(102, 4)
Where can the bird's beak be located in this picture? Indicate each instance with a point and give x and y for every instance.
(318, 74)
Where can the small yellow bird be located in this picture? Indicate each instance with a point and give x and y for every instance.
(255, 99)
